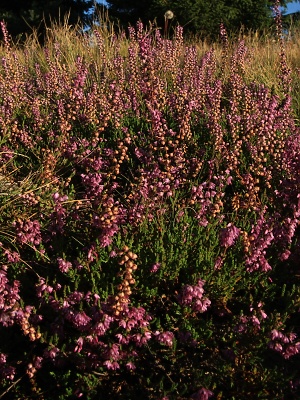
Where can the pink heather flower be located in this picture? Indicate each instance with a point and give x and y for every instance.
(263, 314)
(58, 198)
(192, 296)
(229, 235)
(285, 255)
(147, 336)
(275, 334)
(75, 297)
(12, 257)
(111, 365)
(218, 263)
(37, 362)
(2, 358)
(55, 196)
(130, 366)
(52, 353)
(114, 352)
(131, 324)
(28, 232)
(100, 329)
(8, 296)
(140, 339)
(165, 338)
(63, 265)
(277, 347)
(78, 265)
(291, 350)
(202, 394)
(122, 323)
(81, 319)
(284, 343)
(42, 288)
(122, 339)
(78, 393)
(6, 371)
(255, 320)
(96, 298)
(155, 267)
(92, 253)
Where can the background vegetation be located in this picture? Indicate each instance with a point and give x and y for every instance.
(28, 16)
(201, 17)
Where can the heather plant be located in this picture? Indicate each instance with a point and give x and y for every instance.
(149, 221)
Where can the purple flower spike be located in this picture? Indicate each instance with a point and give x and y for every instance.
(229, 235)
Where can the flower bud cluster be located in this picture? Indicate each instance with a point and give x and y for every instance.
(124, 288)
(34, 366)
(29, 199)
(22, 318)
(117, 158)
(49, 166)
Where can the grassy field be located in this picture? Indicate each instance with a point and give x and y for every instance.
(150, 205)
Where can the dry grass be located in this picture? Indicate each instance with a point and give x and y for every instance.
(100, 44)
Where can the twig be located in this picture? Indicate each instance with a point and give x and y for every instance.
(11, 386)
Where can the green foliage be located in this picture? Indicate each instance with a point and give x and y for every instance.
(200, 17)
(25, 16)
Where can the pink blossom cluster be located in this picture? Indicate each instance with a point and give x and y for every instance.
(229, 235)
(6, 371)
(252, 321)
(165, 338)
(202, 394)
(192, 296)
(9, 297)
(286, 345)
(11, 256)
(28, 232)
(155, 267)
(262, 237)
(95, 323)
(93, 183)
(59, 215)
(207, 197)
(64, 265)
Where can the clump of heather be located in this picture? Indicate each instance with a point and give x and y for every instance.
(192, 296)
(150, 222)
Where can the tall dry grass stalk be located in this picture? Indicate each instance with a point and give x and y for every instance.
(73, 41)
